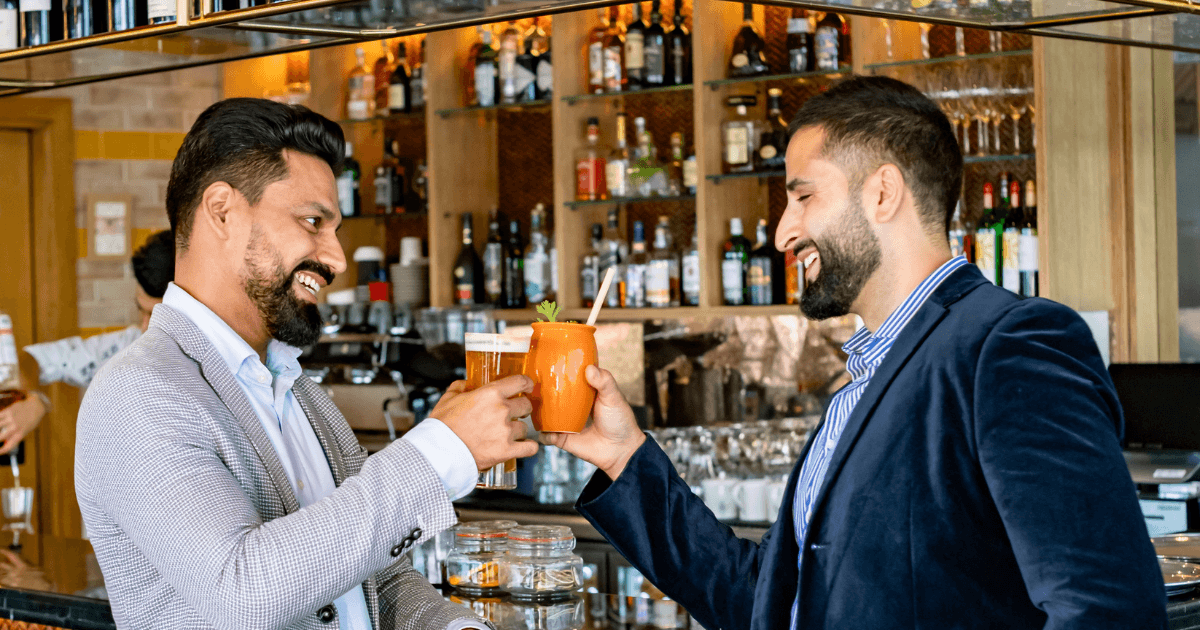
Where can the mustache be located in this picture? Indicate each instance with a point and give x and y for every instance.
(803, 245)
(313, 266)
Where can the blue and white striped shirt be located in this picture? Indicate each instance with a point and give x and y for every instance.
(866, 352)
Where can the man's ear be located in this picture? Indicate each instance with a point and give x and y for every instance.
(214, 208)
(884, 194)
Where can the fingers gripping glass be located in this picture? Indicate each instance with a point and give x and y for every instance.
(491, 357)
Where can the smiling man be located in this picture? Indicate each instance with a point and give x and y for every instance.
(969, 476)
(220, 487)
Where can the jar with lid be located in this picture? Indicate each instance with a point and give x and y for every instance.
(739, 136)
(539, 564)
(474, 567)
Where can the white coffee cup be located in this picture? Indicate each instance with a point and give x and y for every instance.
(410, 250)
(718, 496)
(751, 498)
(775, 492)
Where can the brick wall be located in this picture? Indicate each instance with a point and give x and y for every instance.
(126, 134)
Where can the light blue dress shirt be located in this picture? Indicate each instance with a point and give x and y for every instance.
(865, 351)
(269, 390)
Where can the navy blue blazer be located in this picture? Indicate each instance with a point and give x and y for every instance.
(979, 483)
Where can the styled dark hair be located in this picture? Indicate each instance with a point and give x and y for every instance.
(872, 121)
(240, 141)
(154, 263)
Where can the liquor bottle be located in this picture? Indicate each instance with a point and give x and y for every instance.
(416, 84)
(399, 88)
(389, 186)
(656, 48)
(828, 43)
(739, 135)
(10, 367)
(537, 258)
(1003, 200)
(962, 238)
(468, 269)
(659, 269)
(514, 268)
(589, 268)
(526, 74)
(385, 65)
(845, 50)
(360, 96)
(510, 48)
(486, 71)
(635, 269)
(635, 50)
(537, 46)
(595, 54)
(679, 50)
(79, 18)
(590, 166)
(493, 262)
(691, 174)
(545, 73)
(1028, 263)
(468, 75)
(985, 237)
(647, 175)
(615, 79)
(122, 14)
(733, 265)
(1011, 239)
(774, 140)
(613, 252)
(347, 185)
(691, 273)
(749, 51)
(9, 29)
(675, 167)
(616, 170)
(760, 276)
(800, 42)
(158, 11)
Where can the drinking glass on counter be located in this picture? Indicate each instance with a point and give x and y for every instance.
(491, 357)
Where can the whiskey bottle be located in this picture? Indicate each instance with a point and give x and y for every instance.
(635, 50)
(389, 186)
(616, 170)
(400, 83)
(774, 140)
(595, 54)
(800, 42)
(749, 51)
(635, 269)
(385, 65)
(590, 166)
(656, 48)
(760, 274)
(486, 71)
(740, 136)
(537, 43)
(527, 67)
(416, 84)
(615, 79)
(662, 271)
(691, 273)
(493, 262)
(675, 167)
(614, 250)
(360, 96)
(589, 268)
(828, 42)
(679, 50)
(514, 268)
(350, 204)
(537, 258)
(468, 269)
(733, 266)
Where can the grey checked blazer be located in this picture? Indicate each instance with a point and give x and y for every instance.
(194, 521)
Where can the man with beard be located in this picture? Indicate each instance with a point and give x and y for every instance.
(969, 476)
(220, 487)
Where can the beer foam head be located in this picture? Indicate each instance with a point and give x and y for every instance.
(490, 342)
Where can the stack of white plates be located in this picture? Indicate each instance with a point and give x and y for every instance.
(410, 284)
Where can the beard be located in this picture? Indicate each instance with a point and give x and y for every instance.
(271, 288)
(849, 256)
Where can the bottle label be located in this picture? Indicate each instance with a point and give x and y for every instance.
(1028, 256)
(8, 29)
(690, 174)
(985, 254)
(827, 48)
(635, 286)
(464, 293)
(165, 8)
(383, 193)
(737, 145)
(635, 51)
(678, 59)
(768, 152)
(739, 60)
(732, 281)
(588, 287)
(798, 59)
(956, 242)
(691, 274)
(397, 97)
(612, 69)
(614, 173)
(545, 76)
(493, 269)
(8, 344)
(485, 84)
(658, 283)
(536, 264)
(655, 64)
(524, 78)
(596, 63)
(346, 190)
(589, 178)
(799, 25)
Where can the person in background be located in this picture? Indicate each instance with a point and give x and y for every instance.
(970, 476)
(74, 360)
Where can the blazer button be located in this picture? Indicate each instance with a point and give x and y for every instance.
(416, 534)
(397, 550)
(326, 614)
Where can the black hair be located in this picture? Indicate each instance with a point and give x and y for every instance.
(871, 121)
(154, 263)
(240, 141)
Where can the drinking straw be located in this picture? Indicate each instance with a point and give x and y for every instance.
(601, 295)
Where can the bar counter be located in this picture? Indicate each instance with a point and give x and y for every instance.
(56, 583)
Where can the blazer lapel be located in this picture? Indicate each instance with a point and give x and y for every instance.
(213, 368)
(324, 434)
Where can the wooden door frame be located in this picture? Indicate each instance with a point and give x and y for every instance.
(52, 165)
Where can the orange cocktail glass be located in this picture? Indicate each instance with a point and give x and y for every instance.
(558, 354)
(490, 358)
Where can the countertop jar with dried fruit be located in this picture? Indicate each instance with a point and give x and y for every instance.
(538, 563)
(474, 567)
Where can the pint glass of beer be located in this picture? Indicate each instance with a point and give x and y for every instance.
(490, 358)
